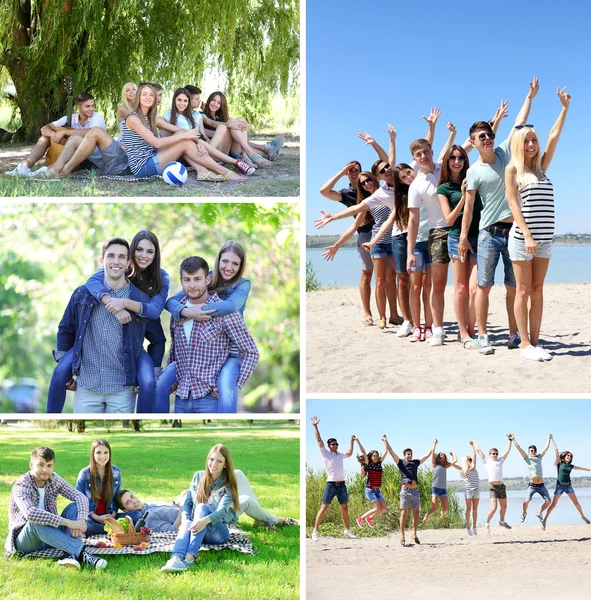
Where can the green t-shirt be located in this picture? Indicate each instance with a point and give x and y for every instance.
(453, 192)
(489, 181)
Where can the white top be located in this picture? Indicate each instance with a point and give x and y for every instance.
(423, 192)
(95, 121)
(333, 461)
(188, 327)
(494, 468)
(384, 196)
(41, 505)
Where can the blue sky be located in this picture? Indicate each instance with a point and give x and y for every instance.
(415, 423)
(376, 63)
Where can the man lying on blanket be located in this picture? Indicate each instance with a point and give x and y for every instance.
(167, 517)
(34, 523)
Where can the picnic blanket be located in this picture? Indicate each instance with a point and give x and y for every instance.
(86, 174)
(159, 542)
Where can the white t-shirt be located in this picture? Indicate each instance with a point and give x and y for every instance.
(188, 327)
(95, 121)
(494, 468)
(383, 196)
(423, 192)
(333, 461)
(41, 505)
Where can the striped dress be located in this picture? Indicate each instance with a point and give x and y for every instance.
(536, 201)
(137, 149)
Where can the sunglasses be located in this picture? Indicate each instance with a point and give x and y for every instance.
(494, 453)
(384, 169)
(483, 136)
(333, 444)
(522, 126)
(366, 181)
(460, 158)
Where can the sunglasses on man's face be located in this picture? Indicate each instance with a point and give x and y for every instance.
(384, 169)
(333, 444)
(483, 136)
(522, 126)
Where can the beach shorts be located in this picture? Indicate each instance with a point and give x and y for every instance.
(517, 249)
(537, 488)
(382, 250)
(150, 168)
(422, 258)
(497, 490)
(366, 263)
(492, 245)
(335, 488)
(563, 489)
(437, 491)
(438, 246)
(453, 243)
(470, 493)
(373, 495)
(399, 249)
(115, 160)
(410, 498)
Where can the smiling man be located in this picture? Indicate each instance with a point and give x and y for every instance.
(105, 346)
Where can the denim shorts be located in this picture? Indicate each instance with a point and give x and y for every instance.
(421, 254)
(332, 489)
(410, 497)
(563, 489)
(362, 238)
(535, 488)
(399, 250)
(470, 493)
(517, 249)
(373, 495)
(491, 247)
(435, 491)
(453, 243)
(438, 246)
(150, 168)
(381, 250)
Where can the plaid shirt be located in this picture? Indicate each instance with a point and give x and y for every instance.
(24, 505)
(200, 359)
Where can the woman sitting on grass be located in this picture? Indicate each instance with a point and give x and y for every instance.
(440, 465)
(127, 97)
(100, 482)
(472, 491)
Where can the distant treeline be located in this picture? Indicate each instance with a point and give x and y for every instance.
(520, 483)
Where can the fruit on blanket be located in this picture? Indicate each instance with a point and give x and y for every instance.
(101, 545)
(146, 530)
(144, 545)
(117, 546)
(137, 548)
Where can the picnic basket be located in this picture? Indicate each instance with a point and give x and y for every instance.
(119, 535)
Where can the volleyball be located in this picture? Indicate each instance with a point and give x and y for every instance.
(174, 173)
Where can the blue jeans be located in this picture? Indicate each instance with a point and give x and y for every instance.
(189, 542)
(146, 397)
(33, 537)
(157, 341)
(205, 404)
(491, 247)
(92, 527)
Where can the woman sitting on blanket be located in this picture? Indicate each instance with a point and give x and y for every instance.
(147, 154)
(127, 97)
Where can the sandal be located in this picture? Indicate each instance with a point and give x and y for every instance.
(209, 176)
(249, 162)
(237, 178)
(382, 324)
(258, 160)
(417, 540)
(396, 321)
(367, 322)
(402, 540)
(469, 344)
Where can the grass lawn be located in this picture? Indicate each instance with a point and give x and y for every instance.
(157, 464)
(282, 179)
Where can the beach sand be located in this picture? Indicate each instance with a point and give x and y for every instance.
(345, 357)
(524, 562)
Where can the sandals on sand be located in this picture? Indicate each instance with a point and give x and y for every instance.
(367, 322)
(469, 344)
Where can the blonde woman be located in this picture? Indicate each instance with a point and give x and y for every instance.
(531, 200)
(127, 97)
(472, 491)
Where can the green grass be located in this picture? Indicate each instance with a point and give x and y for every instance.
(157, 464)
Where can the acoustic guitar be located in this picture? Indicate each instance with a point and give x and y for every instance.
(54, 148)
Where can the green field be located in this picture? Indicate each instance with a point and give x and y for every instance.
(157, 464)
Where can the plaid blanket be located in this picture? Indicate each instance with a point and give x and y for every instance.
(84, 174)
(159, 542)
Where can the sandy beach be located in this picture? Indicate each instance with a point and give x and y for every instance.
(345, 357)
(524, 562)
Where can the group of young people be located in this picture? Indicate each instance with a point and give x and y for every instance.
(216, 498)
(371, 467)
(429, 213)
(201, 135)
(100, 339)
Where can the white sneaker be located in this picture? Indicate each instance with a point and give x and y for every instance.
(69, 561)
(174, 564)
(350, 534)
(531, 353)
(21, 171)
(405, 329)
(469, 531)
(39, 171)
(315, 535)
(543, 352)
(504, 524)
(487, 527)
(436, 339)
(475, 531)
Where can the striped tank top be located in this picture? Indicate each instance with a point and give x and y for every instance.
(381, 214)
(138, 150)
(472, 480)
(536, 201)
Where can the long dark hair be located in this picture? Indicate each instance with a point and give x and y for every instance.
(187, 113)
(222, 113)
(400, 197)
(446, 175)
(218, 283)
(150, 280)
(107, 481)
(362, 193)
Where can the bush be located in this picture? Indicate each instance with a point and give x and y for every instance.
(312, 283)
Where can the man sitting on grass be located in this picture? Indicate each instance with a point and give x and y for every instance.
(34, 523)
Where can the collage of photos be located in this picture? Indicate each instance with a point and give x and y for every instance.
(294, 300)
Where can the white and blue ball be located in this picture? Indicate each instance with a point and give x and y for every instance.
(174, 173)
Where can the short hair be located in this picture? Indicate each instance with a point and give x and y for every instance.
(374, 167)
(117, 498)
(407, 450)
(193, 264)
(193, 89)
(157, 87)
(355, 162)
(495, 449)
(328, 442)
(43, 452)
(420, 143)
(113, 241)
(84, 97)
(480, 126)
(533, 447)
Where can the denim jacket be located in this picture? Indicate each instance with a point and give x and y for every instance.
(72, 327)
(83, 486)
(220, 501)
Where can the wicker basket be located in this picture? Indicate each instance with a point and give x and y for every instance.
(128, 539)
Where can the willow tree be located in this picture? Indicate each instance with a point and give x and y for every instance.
(104, 43)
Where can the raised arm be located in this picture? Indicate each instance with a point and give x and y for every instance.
(556, 128)
(547, 445)
(450, 140)
(473, 456)
(349, 212)
(370, 141)
(350, 451)
(501, 113)
(389, 448)
(385, 454)
(519, 449)
(331, 251)
(432, 121)
(508, 448)
(391, 158)
(523, 114)
(361, 449)
(431, 451)
(328, 191)
(476, 447)
(454, 459)
(557, 461)
(315, 421)
(433, 463)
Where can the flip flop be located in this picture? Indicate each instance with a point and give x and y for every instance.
(469, 344)
(367, 322)
(258, 160)
(210, 176)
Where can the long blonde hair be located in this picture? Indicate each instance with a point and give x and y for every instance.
(467, 465)
(152, 111)
(203, 491)
(124, 102)
(524, 175)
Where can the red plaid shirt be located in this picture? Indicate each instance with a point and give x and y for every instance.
(200, 359)
(24, 505)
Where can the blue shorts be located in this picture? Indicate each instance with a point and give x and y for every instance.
(452, 246)
(332, 489)
(435, 491)
(491, 247)
(150, 168)
(535, 488)
(381, 250)
(399, 250)
(422, 258)
(373, 495)
(563, 489)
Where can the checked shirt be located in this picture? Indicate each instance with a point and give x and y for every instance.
(200, 358)
(24, 501)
